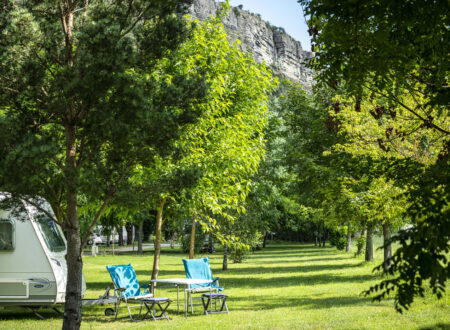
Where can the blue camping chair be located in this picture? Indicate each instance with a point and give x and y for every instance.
(127, 287)
(200, 269)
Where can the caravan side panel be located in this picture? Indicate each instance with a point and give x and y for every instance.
(25, 269)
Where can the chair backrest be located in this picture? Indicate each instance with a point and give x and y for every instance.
(198, 268)
(124, 277)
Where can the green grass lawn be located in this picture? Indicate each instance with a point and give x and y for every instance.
(283, 286)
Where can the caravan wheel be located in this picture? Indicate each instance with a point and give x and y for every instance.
(109, 312)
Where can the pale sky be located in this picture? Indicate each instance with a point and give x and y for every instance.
(283, 13)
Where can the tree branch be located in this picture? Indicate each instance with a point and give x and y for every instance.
(103, 206)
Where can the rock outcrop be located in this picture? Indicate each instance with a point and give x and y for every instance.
(269, 44)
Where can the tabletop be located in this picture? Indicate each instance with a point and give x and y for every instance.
(185, 281)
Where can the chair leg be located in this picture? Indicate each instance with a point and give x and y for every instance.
(192, 303)
(224, 303)
(129, 311)
(163, 311)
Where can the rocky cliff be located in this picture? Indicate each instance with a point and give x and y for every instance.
(266, 43)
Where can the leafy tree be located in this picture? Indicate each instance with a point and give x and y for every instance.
(393, 53)
(207, 173)
(78, 107)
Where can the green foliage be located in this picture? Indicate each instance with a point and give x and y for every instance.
(208, 175)
(361, 244)
(338, 238)
(385, 45)
(99, 85)
(387, 62)
(422, 257)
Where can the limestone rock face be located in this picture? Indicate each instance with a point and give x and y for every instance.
(282, 53)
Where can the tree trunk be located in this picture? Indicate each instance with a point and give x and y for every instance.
(349, 240)
(359, 251)
(72, 308)
(387, 246)
(140, 236)
(225, 258)
(129, 229)
(192, 241)
(120, 232)
(159, 215)
(316, 241)
(265, 240)
(369, 243)
(324, 235)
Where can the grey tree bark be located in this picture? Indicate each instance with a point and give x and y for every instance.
(387, 247)
(140, 237)
(349, 240)
(156, 257)
(225, 257)
(192, 241)
(369, 243)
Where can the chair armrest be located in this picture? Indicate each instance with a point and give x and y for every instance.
(145, 286)
(216, 279)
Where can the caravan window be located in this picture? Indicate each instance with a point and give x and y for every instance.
(6, 234)
(51, 233)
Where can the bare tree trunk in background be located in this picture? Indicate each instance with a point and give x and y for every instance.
(192, 241)
(159, 215)
(140, 236)
(120, 232)
(129, 229)
(387, 247)
(369, 243)
(225, 257)
(359, 251)
(265, 240)
(324, 235)
(349, 240)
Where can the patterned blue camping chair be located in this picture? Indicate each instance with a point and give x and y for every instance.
(200, 269)
(127, 287)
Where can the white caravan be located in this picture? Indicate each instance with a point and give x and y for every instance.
(33, 268)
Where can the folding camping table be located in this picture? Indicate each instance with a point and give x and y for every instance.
(187, 282)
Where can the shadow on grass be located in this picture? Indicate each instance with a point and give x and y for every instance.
(286, 281)
(24, 314)
(437, 326)
(294, 269)
(271, 302)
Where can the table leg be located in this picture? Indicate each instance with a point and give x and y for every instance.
(178, 299)
(210, 295)
(185, 302)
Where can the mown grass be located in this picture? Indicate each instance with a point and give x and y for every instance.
(285, 286)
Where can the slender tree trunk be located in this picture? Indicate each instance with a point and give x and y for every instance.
(265, 240)
(225, 257)
(359, 251)
(72, 309)
(369, 243)
(349, 240)
(140, 236)
(159, 215)
(129, 229)
(324, 234)
(387, 247)
(316, 241)
(192, 241)
(120, 232)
